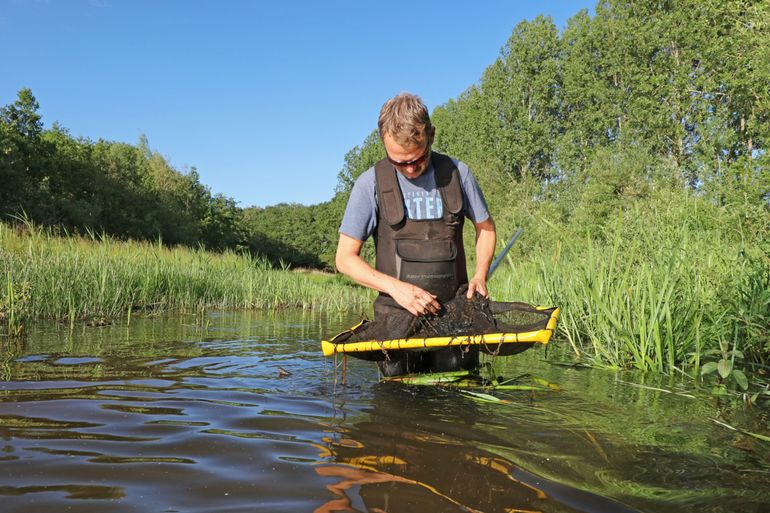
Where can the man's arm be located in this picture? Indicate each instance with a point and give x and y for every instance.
(486, 238)
(414, 299)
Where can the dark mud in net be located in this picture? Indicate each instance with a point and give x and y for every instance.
(459, 317)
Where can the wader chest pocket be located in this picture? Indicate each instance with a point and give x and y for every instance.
(429, 264)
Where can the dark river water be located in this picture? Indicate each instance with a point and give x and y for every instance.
(244, 414)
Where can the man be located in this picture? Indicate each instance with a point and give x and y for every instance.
(414, 203)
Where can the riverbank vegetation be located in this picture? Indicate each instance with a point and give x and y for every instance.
(97, 278)
(670, 283)
(631, 145)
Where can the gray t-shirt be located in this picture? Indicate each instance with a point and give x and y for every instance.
(422, 200)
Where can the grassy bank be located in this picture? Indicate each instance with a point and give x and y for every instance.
(97, 278)
(672, 284)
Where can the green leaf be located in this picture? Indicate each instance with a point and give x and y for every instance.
(708, 368)
(520, 387)
(719, 390)
(545, 383)
(740, 378)
(724, 367)
(481, 396)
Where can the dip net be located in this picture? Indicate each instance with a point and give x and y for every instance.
(460, 317)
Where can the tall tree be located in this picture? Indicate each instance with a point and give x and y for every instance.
(358, 160)
(519, 100)
(21, 154)
(22, 116)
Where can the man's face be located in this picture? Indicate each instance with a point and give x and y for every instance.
(411, 160)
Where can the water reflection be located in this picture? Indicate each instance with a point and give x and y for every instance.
(244, 414)
(427, 445)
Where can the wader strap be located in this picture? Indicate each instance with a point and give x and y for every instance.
(448, 182)
(389, 197)
(389, 192)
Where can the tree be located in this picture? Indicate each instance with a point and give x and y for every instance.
(21, 116)
(358, 160)
(518, 100)
(21, 157)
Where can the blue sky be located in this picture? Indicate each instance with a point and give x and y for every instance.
(263, 98)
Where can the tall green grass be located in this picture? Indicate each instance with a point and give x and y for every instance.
(97, 277)
(670, 286)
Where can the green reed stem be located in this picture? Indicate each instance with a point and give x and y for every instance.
(97, 277)
(653, 299)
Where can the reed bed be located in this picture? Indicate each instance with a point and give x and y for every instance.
(665, 296)
(97, 278)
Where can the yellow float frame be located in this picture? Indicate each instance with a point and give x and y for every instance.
(543, 336)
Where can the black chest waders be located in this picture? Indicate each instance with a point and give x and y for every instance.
(427, 253)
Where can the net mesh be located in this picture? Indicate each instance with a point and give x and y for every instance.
(458, 317)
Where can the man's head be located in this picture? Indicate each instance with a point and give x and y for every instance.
(406, 133)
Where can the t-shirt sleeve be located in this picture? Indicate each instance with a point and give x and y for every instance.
(474, 204)
(360, 217)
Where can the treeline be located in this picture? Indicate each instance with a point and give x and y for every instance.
(130, 191)
(115, 188)
(682, 84)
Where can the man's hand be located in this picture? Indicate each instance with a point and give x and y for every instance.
(414, 299)
(486, 236)
(477, 284)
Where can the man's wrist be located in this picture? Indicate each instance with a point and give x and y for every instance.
(390, 286)
(481, 274)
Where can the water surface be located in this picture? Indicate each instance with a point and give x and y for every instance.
(244, 414)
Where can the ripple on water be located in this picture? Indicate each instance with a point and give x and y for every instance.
(166, 417)
(76, 361)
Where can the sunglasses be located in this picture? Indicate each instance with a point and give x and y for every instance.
(416, 162)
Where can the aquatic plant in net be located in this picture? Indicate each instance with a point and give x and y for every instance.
(460, 321)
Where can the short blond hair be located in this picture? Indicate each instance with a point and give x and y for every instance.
(405, 117)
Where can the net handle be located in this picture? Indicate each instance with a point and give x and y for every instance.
(500, 257)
